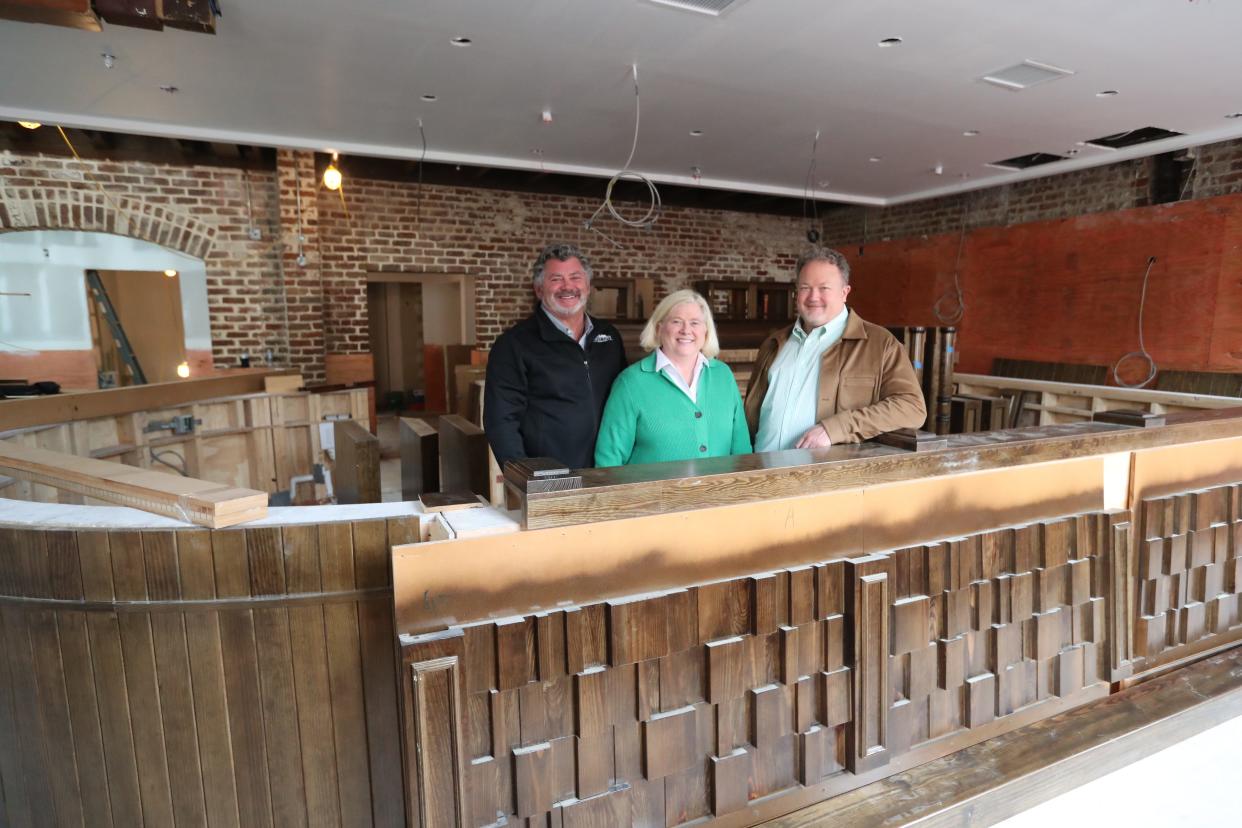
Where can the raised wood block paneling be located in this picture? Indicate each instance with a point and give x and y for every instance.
(1187, 582)
(691, 703)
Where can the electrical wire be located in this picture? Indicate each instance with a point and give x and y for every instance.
(348, 218)
(17, 347)
(951, 306)
(158, 457)
(86, 171)
(812, 233)
(1190, 174)
(654, 209)
(1142, 352)
(422, 158)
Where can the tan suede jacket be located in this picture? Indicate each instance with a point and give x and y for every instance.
(866, 384)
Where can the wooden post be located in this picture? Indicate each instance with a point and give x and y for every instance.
(463, 457)
(357, 463)
(420, 458)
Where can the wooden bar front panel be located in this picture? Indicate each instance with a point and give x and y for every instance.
(678, 705)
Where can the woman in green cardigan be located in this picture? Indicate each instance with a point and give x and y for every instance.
(677, 403)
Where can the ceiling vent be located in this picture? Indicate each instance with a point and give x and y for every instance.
(711, 8)
(1026, 74)
(1023, 162)
(1133, 137)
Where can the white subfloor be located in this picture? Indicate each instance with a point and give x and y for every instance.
(1193, 783)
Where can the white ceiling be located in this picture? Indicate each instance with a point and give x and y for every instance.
(759, 82)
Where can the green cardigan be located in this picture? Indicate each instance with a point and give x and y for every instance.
(648, 419)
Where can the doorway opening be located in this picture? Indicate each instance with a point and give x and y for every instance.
(422, 327)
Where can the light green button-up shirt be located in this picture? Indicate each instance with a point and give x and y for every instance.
(789, 408)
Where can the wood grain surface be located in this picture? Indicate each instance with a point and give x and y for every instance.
(200, 677)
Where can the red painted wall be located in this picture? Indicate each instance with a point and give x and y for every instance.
(1068, 290)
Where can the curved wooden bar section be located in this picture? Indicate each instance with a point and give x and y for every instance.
(163, 676)
(769, 632)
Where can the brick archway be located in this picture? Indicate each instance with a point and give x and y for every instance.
(68, 207)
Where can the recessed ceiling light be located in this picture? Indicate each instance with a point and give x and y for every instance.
(1234, 115)
(890, 41)
(461, 41)
(1107, 93)
(971, 133)
(875, 159)
(429, 98)
(170, 89)
(824, 183)
(696, 132)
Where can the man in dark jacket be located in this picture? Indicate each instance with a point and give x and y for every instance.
(548, 376)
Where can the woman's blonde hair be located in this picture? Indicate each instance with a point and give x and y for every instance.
(650, 339)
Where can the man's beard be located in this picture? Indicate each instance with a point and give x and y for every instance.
(559, 310)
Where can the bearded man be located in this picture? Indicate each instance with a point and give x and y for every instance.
(549, 375)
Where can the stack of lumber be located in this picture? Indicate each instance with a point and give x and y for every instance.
(196, 501)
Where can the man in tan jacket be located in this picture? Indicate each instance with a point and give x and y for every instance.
(831, 377)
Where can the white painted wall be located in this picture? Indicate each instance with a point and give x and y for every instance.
(50, 265)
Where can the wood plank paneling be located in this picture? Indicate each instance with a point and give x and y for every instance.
(202, 632)
(379, 658)
(172, 660)
(242, 681)
(141, 677)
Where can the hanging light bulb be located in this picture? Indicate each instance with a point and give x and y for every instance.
(183, 370)
(170, 273)
(332, 176)
(29, 124)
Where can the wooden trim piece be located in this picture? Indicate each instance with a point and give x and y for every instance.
(196, 501)
(867, 602)
(435, 780)
(658, 488)
(1108, 392)
(64, 408)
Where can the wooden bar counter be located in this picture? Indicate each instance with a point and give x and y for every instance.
(736, 639)
(728, 640)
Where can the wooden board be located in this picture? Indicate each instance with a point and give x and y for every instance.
(420, 457)
(463, 457)
(60, 408)
(196, 501)
(356, 471)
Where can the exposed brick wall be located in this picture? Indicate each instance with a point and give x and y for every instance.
(494, 236)
(201, 211)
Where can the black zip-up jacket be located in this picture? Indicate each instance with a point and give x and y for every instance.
(545, 394)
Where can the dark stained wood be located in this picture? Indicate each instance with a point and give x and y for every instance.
(241, 680)
(463, 457)
(129, 580)
(996, 779)
(867, 600)
(420, 457)
(203, 641)
(356, 475)
(174, 680)
(373, 571)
